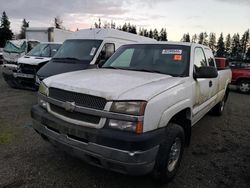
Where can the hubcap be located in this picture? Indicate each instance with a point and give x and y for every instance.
(245, 87)
(174, 154)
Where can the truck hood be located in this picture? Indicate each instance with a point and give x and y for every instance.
(31, 60)
(114, 84)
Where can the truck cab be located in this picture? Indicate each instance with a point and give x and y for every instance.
(86, 49)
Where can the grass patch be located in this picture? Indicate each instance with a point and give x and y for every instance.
(6, 138)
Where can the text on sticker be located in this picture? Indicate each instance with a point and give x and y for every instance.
(92, 52)
(171, 51)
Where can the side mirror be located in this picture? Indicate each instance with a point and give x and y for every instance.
(101, 63)
(205, 72)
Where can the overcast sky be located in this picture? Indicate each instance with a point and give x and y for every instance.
(178, 16)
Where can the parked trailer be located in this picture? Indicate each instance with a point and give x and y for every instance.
(47, 34)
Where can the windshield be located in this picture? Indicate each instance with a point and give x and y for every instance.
(159, 58)
(44, 50)
(81, 50)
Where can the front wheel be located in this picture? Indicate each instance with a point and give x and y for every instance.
(244, 86)
(170, 153)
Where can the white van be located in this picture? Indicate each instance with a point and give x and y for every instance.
(86, 49)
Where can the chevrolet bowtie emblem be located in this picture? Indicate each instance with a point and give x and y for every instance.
(69, 106)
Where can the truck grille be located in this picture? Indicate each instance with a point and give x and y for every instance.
(75, 115)
(84, 100)
(28, 69)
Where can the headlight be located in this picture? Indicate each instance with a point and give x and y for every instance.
(136, 127)
(43, 89)
(136, 108)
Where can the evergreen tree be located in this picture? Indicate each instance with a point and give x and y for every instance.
(212, 41)
(155, 34)
(99, 24)
(248, 54)
(186, 38)
(236, 48)
(220, 47)
(125, 27)
(133, 29)
(243, 42)
(228, 46)
(205, 41)
(194, 38)
(201, 38)
(163, 35)
(119, 28)
(25, 25)
(150, 34)
(58, 22)
(5, 32)
(112, 25)
(129, 28)
(141, 32)
(183, 39)
(145, 33)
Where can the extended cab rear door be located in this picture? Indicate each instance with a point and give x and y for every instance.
(202, 87)
(214, 86)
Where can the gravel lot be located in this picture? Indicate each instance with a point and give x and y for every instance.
(219, 154)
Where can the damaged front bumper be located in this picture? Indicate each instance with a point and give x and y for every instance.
(18, 79)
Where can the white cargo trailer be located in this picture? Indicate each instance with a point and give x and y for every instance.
(47, 34)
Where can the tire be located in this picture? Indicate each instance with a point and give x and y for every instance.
(218, 109)
(244, 86)
(169, 155)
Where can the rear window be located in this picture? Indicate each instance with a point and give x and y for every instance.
(161, 58)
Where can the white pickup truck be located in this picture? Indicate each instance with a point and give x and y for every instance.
(134, 114)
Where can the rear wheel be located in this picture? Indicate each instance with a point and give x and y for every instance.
(219, 108)
(170, 153)
(244, 86)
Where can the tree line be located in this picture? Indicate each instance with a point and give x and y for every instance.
(130, 28)
(233, 47)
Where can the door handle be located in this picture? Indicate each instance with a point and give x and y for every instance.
(210, 83)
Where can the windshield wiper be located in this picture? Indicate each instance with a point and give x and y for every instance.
(110, 67)
(156, 71)
(147, 70)
(66, 58)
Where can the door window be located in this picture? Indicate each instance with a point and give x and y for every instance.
(107, 51)
(210, 57)
(199, 59)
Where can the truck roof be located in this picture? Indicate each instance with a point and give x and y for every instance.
(51, 42)
(102, 34)
(175, 43)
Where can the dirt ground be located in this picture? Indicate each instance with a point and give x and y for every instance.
(219, 154)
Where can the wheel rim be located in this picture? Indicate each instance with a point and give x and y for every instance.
(245, 87)
(174, 154)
